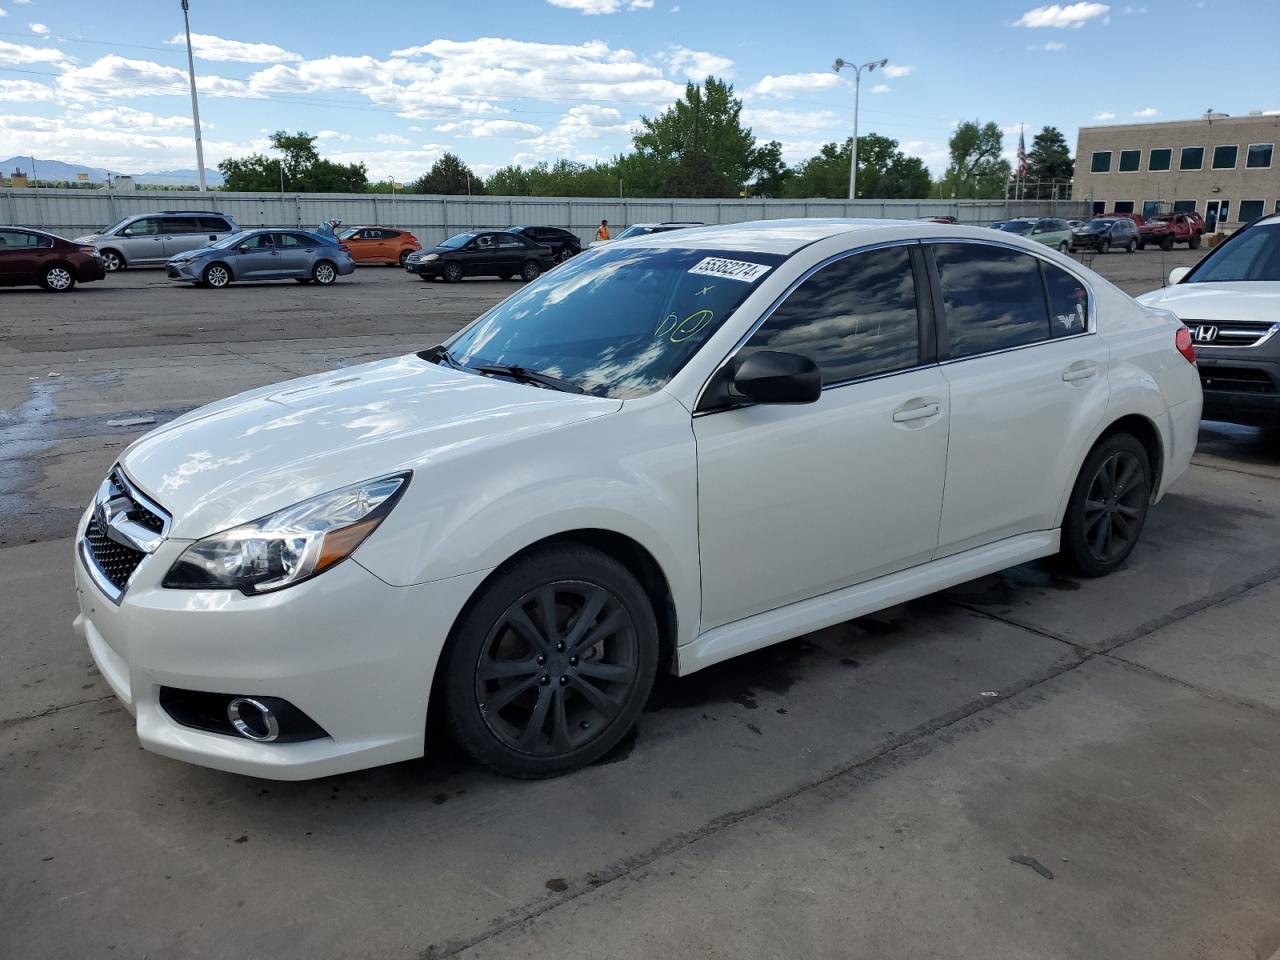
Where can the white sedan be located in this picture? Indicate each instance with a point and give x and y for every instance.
(663, 454)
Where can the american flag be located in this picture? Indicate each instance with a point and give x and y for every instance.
(1024, 168)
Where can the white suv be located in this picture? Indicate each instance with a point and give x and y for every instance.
(665, 453)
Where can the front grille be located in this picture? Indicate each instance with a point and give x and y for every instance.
(115, 561)
(1234, 333)
(1236, 380)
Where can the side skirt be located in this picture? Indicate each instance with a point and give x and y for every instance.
(805, 616)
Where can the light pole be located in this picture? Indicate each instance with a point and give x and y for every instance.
(839, 65)
(195, 105)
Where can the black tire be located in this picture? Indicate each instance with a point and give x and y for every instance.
(504, 276)
(565, 254)
(1142, 244)
(1131, 246)
(324, 273)
(1194, 242)
(452, 272)
(1166, 243)
(1094, 541)
(113, 260)
(57, 278)
(1064, 247)
(216, 275)
(507, 718)
(530, 270)
(404, 255)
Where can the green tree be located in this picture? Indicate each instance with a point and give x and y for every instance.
(771, 173)
(508, 181)
(697, 147)
(300, 168)
(884, 171)
(976, 169)
(1049, 159)
(449, 175)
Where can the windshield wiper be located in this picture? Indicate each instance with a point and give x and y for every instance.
(528, 376)
(438, 354)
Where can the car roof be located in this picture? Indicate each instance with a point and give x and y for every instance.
(773, 236)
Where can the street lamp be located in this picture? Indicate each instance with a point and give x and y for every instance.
(839, 65)
(195, 106)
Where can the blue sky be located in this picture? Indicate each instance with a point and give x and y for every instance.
(394, 84)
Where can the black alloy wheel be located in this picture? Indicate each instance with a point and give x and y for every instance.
(530, 270)
(1108, 506)
(551, 666)
(452, 272)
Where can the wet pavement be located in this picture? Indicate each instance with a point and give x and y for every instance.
(885, 787)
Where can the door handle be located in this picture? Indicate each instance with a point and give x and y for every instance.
(1080, 371)
(917, 410)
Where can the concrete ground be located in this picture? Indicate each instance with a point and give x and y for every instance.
(1029, 765)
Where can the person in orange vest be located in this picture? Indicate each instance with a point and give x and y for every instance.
(602, 231)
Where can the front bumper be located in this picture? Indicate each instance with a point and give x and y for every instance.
(427, 268)
(352, 652)
(189, 270)
(1240, 391)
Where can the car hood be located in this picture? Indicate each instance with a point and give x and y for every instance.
(87, 238)
(242, 458)
(1244, 300)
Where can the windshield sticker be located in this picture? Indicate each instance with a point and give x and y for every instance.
(729, 269)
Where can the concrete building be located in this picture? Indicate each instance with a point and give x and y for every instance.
(1220, 166)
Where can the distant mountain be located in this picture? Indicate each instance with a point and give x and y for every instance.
(57, 170)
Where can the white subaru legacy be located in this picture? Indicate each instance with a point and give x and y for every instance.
(667, 452)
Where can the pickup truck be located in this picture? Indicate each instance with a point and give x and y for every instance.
(1166, 229)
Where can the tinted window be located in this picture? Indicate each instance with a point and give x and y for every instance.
(993, 298)
(457, 241)
(259, 241)
(1124, 206)
(1259, 156)
(1192, 158)
(855, 317)
(509, 241)
(1224, 158)
(1101, 161)
(1130, 160)
(180, 225)
(1184, 206)
(20, 239)
(146, 227)
(486, 241)
(294, 240)
(214, 224)
(1068, 301)
(1160, 159)
(1250, 210)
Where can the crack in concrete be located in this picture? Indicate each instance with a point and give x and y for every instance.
(14, 721)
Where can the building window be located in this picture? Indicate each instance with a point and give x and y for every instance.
(1192, 158)
(1099, 206)
(1184, 206)
(1224, 211)
(1130, 161)
(1259, 156)
(1101, 162)
(1124, 206)
(1224, 158)
(1160, 159)
(1250, 210)
(1150, 208)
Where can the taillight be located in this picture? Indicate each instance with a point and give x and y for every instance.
(1182, 340)
(344, 248)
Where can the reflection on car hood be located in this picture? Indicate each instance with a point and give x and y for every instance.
(247, 456)
(1257, 300)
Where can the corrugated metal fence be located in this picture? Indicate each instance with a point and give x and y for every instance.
(75, 212)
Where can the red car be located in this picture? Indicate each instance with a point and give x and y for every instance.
(1166, 229)
(29, 257)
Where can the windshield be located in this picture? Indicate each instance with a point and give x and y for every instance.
(1100, 226)
(232, 241)
(1017, 226)
(616, 322)
(458, 241)
(635, 230)
(1254, 256)
(115, 226)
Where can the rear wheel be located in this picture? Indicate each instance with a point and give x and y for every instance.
(1166, 243)
(1194, 242)
(551, 665)
(452, 272)
(404, 255)
(1064, 247)
(530, 270)
(216, 275)
(324, 273)
(1131, 246)
(57, 278)
(112, 261)
(1108, 506)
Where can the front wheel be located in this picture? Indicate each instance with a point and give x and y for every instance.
(1064, 247)
(1166, 244)
(57, 278)
(1194, 243)
(1131, 246)
(1142, 244)
(552, 664)
(1108, 506)
(324, 273)
(404, 255)
(452, 272)
(530, 270)
(216, 275)
(112, 261)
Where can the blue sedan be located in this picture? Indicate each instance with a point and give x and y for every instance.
(270, 254)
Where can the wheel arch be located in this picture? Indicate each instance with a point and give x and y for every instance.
(1144, 429)
(221, 263)
(124, 261)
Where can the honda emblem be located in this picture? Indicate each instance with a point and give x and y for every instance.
(1206, 333)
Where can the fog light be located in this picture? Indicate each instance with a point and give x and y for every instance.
(253, 719)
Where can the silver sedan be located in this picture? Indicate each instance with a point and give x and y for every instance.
(264, 255)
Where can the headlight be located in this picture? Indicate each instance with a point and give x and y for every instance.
(431, 256)
(288, 546)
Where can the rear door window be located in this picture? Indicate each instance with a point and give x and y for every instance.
(180, 225)
(214, 225)
(855, 318)
(1068, 301)
(18, 240)
(993, 298)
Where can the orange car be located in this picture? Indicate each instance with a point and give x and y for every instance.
(379, 244)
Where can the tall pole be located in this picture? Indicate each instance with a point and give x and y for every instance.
(853, 166)
(195, 104)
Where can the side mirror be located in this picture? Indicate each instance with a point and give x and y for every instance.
(771, 376)
(1177, 273)
(127, 232)
(243, 248)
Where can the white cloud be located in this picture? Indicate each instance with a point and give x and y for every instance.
(390, 138)
(325, 135)
(1133, 11)
(39, 29)
(899, 69)
(881, 88)
(1105, 115)
(114, 76)
(696, 64)
(589, 7)
(640, 5)
(3, 12)
(206, 46)
(778, 124)
(1146, 112)
(586, 121)
(788, 85)
(1062, 15)
(676, 8)
(19, 54)
(26, 91)
(127, 118)
(1055, 45)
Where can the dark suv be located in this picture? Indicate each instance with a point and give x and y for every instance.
(1102, 234)
(563, 243)
(1230, 303)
